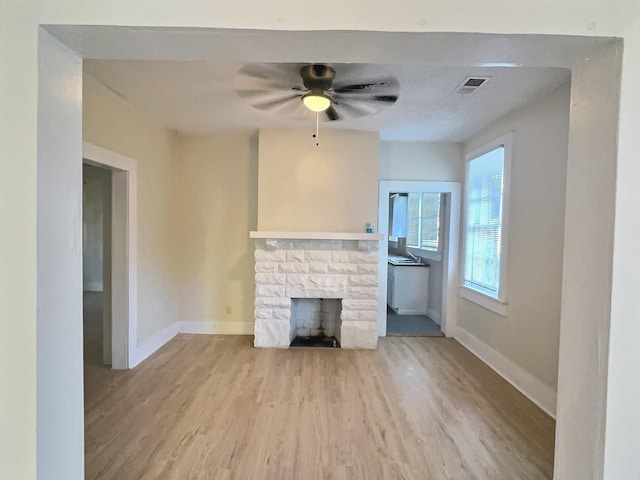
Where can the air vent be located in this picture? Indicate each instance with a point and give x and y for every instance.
(470, 85)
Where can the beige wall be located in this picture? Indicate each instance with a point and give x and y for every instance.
(112, 123)
(216, 195)
(529, 334)
(332, 187)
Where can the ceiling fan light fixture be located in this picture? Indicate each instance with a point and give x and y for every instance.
(316, 101)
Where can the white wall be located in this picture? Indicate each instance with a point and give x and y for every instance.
(112, 123)
(329, 188)
(622, 395)
(529, 335)
(60, 420)
(217, 184)
(586, 298)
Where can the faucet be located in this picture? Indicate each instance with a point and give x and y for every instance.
(413, 257)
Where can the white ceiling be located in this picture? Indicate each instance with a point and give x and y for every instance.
(198, 97)
(184, 76)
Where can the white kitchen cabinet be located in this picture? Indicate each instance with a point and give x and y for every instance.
(407, 289)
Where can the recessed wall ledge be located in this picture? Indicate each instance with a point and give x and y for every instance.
(317, 235)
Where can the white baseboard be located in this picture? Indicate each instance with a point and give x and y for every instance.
(152, 344)
(536, 391)
(219, 327)
(406, 311)
(435, 316)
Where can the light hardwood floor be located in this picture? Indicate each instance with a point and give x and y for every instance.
(214, 407)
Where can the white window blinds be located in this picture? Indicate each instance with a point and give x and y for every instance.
(484, 222)
(423, 221)
(413, 219)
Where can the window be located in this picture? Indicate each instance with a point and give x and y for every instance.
(486, 203)
(423, 221)
(398, 218)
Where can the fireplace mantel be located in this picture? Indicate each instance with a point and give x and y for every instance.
(317, 235)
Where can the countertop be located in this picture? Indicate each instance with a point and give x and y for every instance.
(398, 261)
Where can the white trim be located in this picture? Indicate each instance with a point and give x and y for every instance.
(101, 156)
(532, 388)
(318, 235)
(154, 343)
(435, 316)
(219, 327)
(505, 141)
(450, 251)
(407, 311)
(124, 251)
(483, 300)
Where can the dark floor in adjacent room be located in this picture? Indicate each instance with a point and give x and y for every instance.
(411, 325)
(92, 312)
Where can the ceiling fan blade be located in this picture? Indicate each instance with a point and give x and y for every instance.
(381, 86)
(332, 114)
(385, 98)
(261, 93)
(349, 109)
(356, 90)
(358, 87)
(267, 77)
(273, 72)
(371, 99)
(270, 104)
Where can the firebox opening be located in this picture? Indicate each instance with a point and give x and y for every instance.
(315, 322)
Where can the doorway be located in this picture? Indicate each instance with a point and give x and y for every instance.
(119, 330)
(416, 245)
(96, 265)
(414, 299)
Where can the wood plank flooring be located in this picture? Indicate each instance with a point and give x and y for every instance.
(214, 407)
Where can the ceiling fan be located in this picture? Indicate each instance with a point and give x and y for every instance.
(335, 92)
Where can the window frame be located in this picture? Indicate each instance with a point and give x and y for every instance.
(482, 297)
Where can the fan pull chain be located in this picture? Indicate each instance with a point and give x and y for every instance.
(317, 134)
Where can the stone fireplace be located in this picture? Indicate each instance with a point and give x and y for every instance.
(306, 266)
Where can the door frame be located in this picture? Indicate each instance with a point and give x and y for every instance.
(124, 251)
(450, 254)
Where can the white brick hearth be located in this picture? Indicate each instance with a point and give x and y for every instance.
(289, 268)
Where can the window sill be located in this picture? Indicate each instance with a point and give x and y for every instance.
(426, 254)
(484, 301)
